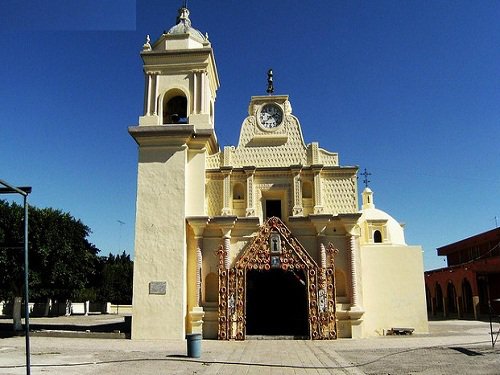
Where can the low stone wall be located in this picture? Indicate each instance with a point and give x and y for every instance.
(39, 309)
(120, 309)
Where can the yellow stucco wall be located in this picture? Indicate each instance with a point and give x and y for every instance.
(160, 245)
(393, 289)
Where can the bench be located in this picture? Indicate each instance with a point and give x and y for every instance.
(400, 331)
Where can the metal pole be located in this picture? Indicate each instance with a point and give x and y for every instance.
(24, 191)
(491, 325)
(26, 288)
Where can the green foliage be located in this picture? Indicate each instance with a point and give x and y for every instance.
(62, 262)
(11, 250)
(115, 284)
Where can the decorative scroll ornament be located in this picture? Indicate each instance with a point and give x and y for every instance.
(276, 247)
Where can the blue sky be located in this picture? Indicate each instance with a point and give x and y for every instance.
(409, 90)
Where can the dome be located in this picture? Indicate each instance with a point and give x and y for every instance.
(373, 220)
(183, 26)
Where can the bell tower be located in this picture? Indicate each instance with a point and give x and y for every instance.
(181, 77)
(174, 136)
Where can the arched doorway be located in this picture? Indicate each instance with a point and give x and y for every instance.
(451, 298)
(279, 272)
(439, 299)
(276, 303)
(467, 297)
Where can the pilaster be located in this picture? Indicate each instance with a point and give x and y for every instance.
(250, 172)
(318, 201)
(226, 191)
(297, 191)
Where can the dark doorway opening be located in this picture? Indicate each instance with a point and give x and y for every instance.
(273, 208)
(276, 304)
(451, 298)
(439, 299)
(467, 297)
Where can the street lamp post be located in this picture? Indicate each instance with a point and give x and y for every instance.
(24, 191)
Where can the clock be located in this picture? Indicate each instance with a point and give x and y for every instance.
(270, 116)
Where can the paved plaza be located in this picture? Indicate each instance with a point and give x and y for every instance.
(452, 347)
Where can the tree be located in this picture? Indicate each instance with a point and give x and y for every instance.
(61, 259)
(11, 250)
(116, 279)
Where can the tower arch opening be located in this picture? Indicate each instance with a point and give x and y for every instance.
(175, 108)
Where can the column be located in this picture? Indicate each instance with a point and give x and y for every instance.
(197, 314)
(155, 96)
(151, 94)
(147, 94)
(322, 252)
(199, 263)
(351, 245)
(227, 248)
(203, 85)
(226, 228)
(226, 225)
(322, 257)
(195, 92)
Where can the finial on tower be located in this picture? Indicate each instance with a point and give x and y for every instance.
(270, 87)
(147, 45)
(366, 181)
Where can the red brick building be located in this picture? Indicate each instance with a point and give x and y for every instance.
(470, 282)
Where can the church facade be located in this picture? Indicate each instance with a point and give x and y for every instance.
(262, 238)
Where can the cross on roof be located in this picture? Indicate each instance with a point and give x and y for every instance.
(366, 180)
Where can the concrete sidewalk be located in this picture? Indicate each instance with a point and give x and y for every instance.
(452, 347)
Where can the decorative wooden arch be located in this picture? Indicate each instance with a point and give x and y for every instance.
(276, 247)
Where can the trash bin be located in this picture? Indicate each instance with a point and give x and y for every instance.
(193, 345)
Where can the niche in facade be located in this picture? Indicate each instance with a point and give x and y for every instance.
(239, 199)
(307, 197)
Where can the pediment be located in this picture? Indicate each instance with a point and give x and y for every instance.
(275, 247)
(279, 146)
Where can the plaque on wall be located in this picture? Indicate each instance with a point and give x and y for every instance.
(158, 287)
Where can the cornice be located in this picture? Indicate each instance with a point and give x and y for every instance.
(173, 136)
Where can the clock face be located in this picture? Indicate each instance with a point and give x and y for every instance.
(270, 116)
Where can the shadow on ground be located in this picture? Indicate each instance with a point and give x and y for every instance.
(122, 329)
